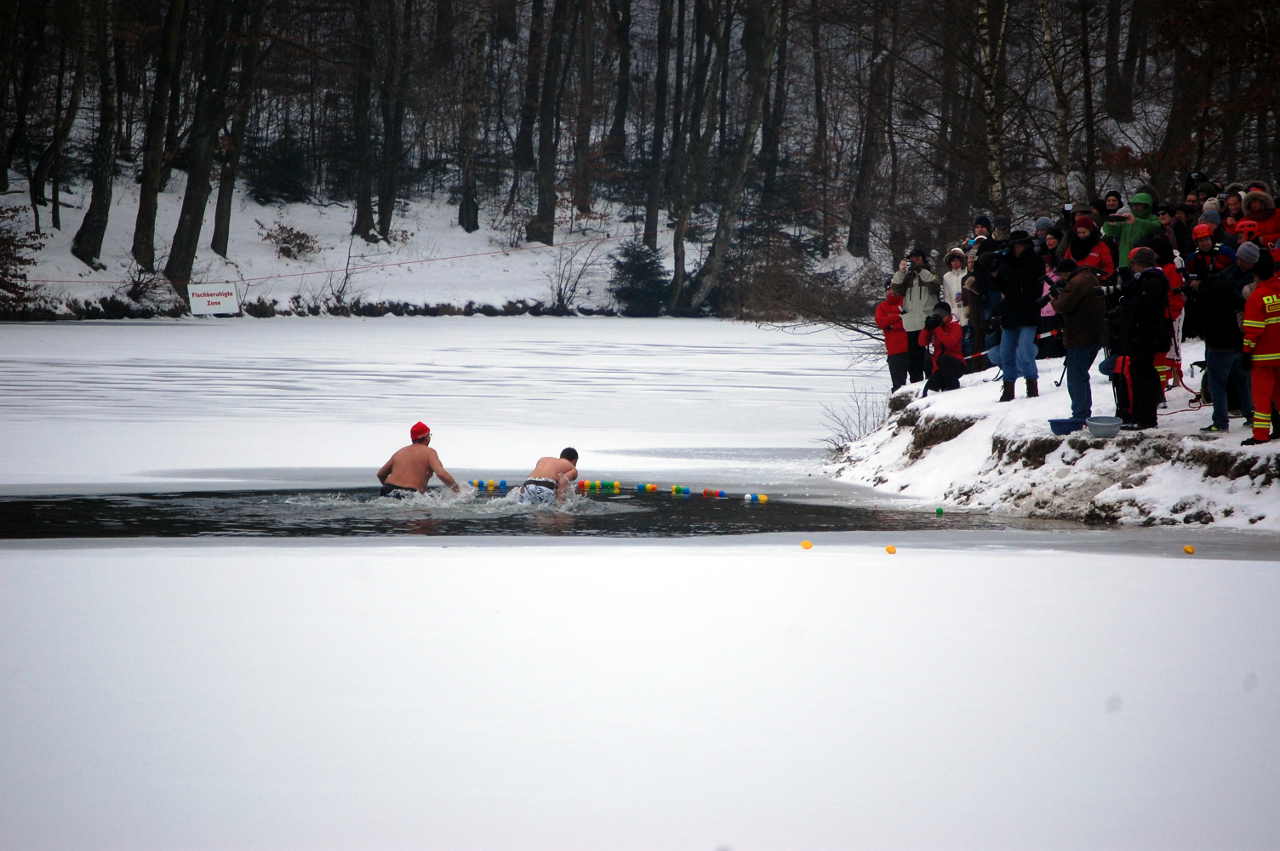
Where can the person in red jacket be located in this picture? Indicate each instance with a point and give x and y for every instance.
(1262, 347)
(1087, 249)
(1261, 209)
(943, 335)
(889, 318)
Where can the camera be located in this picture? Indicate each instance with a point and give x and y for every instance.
(1068, 208)
(1116, 218)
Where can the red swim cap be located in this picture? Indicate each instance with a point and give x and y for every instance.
(417, 431)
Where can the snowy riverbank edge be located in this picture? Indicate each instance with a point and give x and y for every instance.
(963, 449)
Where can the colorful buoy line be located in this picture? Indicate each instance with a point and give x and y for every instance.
(599, 486)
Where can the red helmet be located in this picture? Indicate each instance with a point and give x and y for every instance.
(1202, 232)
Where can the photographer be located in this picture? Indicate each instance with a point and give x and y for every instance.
(1020, 279)
(920, 291)
(1084, 313)
(1131, 228)
(943, 336)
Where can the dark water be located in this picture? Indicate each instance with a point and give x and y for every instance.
(354, 512)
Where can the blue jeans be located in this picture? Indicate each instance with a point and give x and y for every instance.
(1079, 359)
(1018, 353)
(1224, 371)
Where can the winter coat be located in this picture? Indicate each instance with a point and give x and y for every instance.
(1144, 321)
(1021, 279)
(1130, 234)
(1092, 253)
(920, 294)
(1083, 311)
(1262, 323)
(889, 318)
(1219, 303)
(947, 340)
(1268, 219)
(953, 294)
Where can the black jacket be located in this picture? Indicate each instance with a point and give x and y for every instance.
(1144, 319)
(1219, 301)
(1021, 279)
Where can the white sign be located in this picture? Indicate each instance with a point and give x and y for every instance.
(206, 300)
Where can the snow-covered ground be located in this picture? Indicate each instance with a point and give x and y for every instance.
(128, 403)
(688, 694)
(964, 448)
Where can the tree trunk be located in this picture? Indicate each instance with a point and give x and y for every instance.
(654, 192)
(1061, 100)
(153, 145)
(363, 224)
(232, 143)
(1135, 47)
(992, 27)
(87, 243)
(759, 35)
(470, 76)
(820, 144)
(615, 144)
(1187, 97)
(65, 118)
(542, 228)
(173, 114)
(442, 49)
(770, 139)
(1112, 94)
(1086, 70)
(678, 106)
(586, 98)
(523, 153)
(392, 100)
(211, 103)
(506, 21)
(32, 20)
(871, 146)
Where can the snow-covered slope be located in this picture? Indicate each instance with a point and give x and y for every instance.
(962, 448)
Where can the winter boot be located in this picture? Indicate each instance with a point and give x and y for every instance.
(1007, 394)
(1033, 388)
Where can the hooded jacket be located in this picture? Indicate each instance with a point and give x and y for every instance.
(1267, 218)
(1129, 234)
(953, 286)
(947, 340)
(1262, 322)
(889, 318)
(1091, 252)
(919, 290)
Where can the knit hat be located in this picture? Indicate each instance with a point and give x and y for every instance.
(1114, 193)
(1085, 221)
(984, 221)
(942, 306)
(417, 431)
(1044, 223)
(1056, 233)
(1141, 198)
(1211, 217)
(1143, 255)
(1202, 231)
(1248, 252)
(1210, 204)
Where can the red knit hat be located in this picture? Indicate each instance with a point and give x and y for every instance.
(417, 431)
(1084, 220)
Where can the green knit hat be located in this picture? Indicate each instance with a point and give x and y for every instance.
(1141, 198)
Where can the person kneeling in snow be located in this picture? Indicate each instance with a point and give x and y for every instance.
(943, 335)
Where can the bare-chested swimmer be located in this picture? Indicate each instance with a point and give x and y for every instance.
(549, 481)
(410, 468)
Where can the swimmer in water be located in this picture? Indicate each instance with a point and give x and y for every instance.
(549, 481)
(410, 468)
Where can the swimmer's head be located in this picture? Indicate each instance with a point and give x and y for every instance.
(419, 432)
(570, 454)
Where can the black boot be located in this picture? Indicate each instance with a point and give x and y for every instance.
(1007, 394)
(1033, 388)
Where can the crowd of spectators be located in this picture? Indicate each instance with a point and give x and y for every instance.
(1122, 276)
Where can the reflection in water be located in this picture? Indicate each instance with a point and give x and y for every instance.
(362, 512)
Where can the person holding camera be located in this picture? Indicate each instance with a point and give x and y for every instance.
(1131, 228)
(919, 288)
(944, 337)
(1020, 280)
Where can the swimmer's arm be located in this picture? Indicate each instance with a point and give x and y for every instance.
(562, 481)
(385, 471)
(439, 470)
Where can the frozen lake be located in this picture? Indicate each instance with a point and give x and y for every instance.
(977, 688)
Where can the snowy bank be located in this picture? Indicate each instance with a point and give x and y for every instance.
(962, 448)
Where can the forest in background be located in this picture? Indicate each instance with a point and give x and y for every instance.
(774, 133)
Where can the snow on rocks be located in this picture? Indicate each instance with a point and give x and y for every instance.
(963, 448)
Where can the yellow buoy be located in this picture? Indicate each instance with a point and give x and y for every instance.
(1189, 550)
(808, 545)
(764, 497)
(890, 549)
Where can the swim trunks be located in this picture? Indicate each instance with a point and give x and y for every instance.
(537, 492)
(398, 491)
